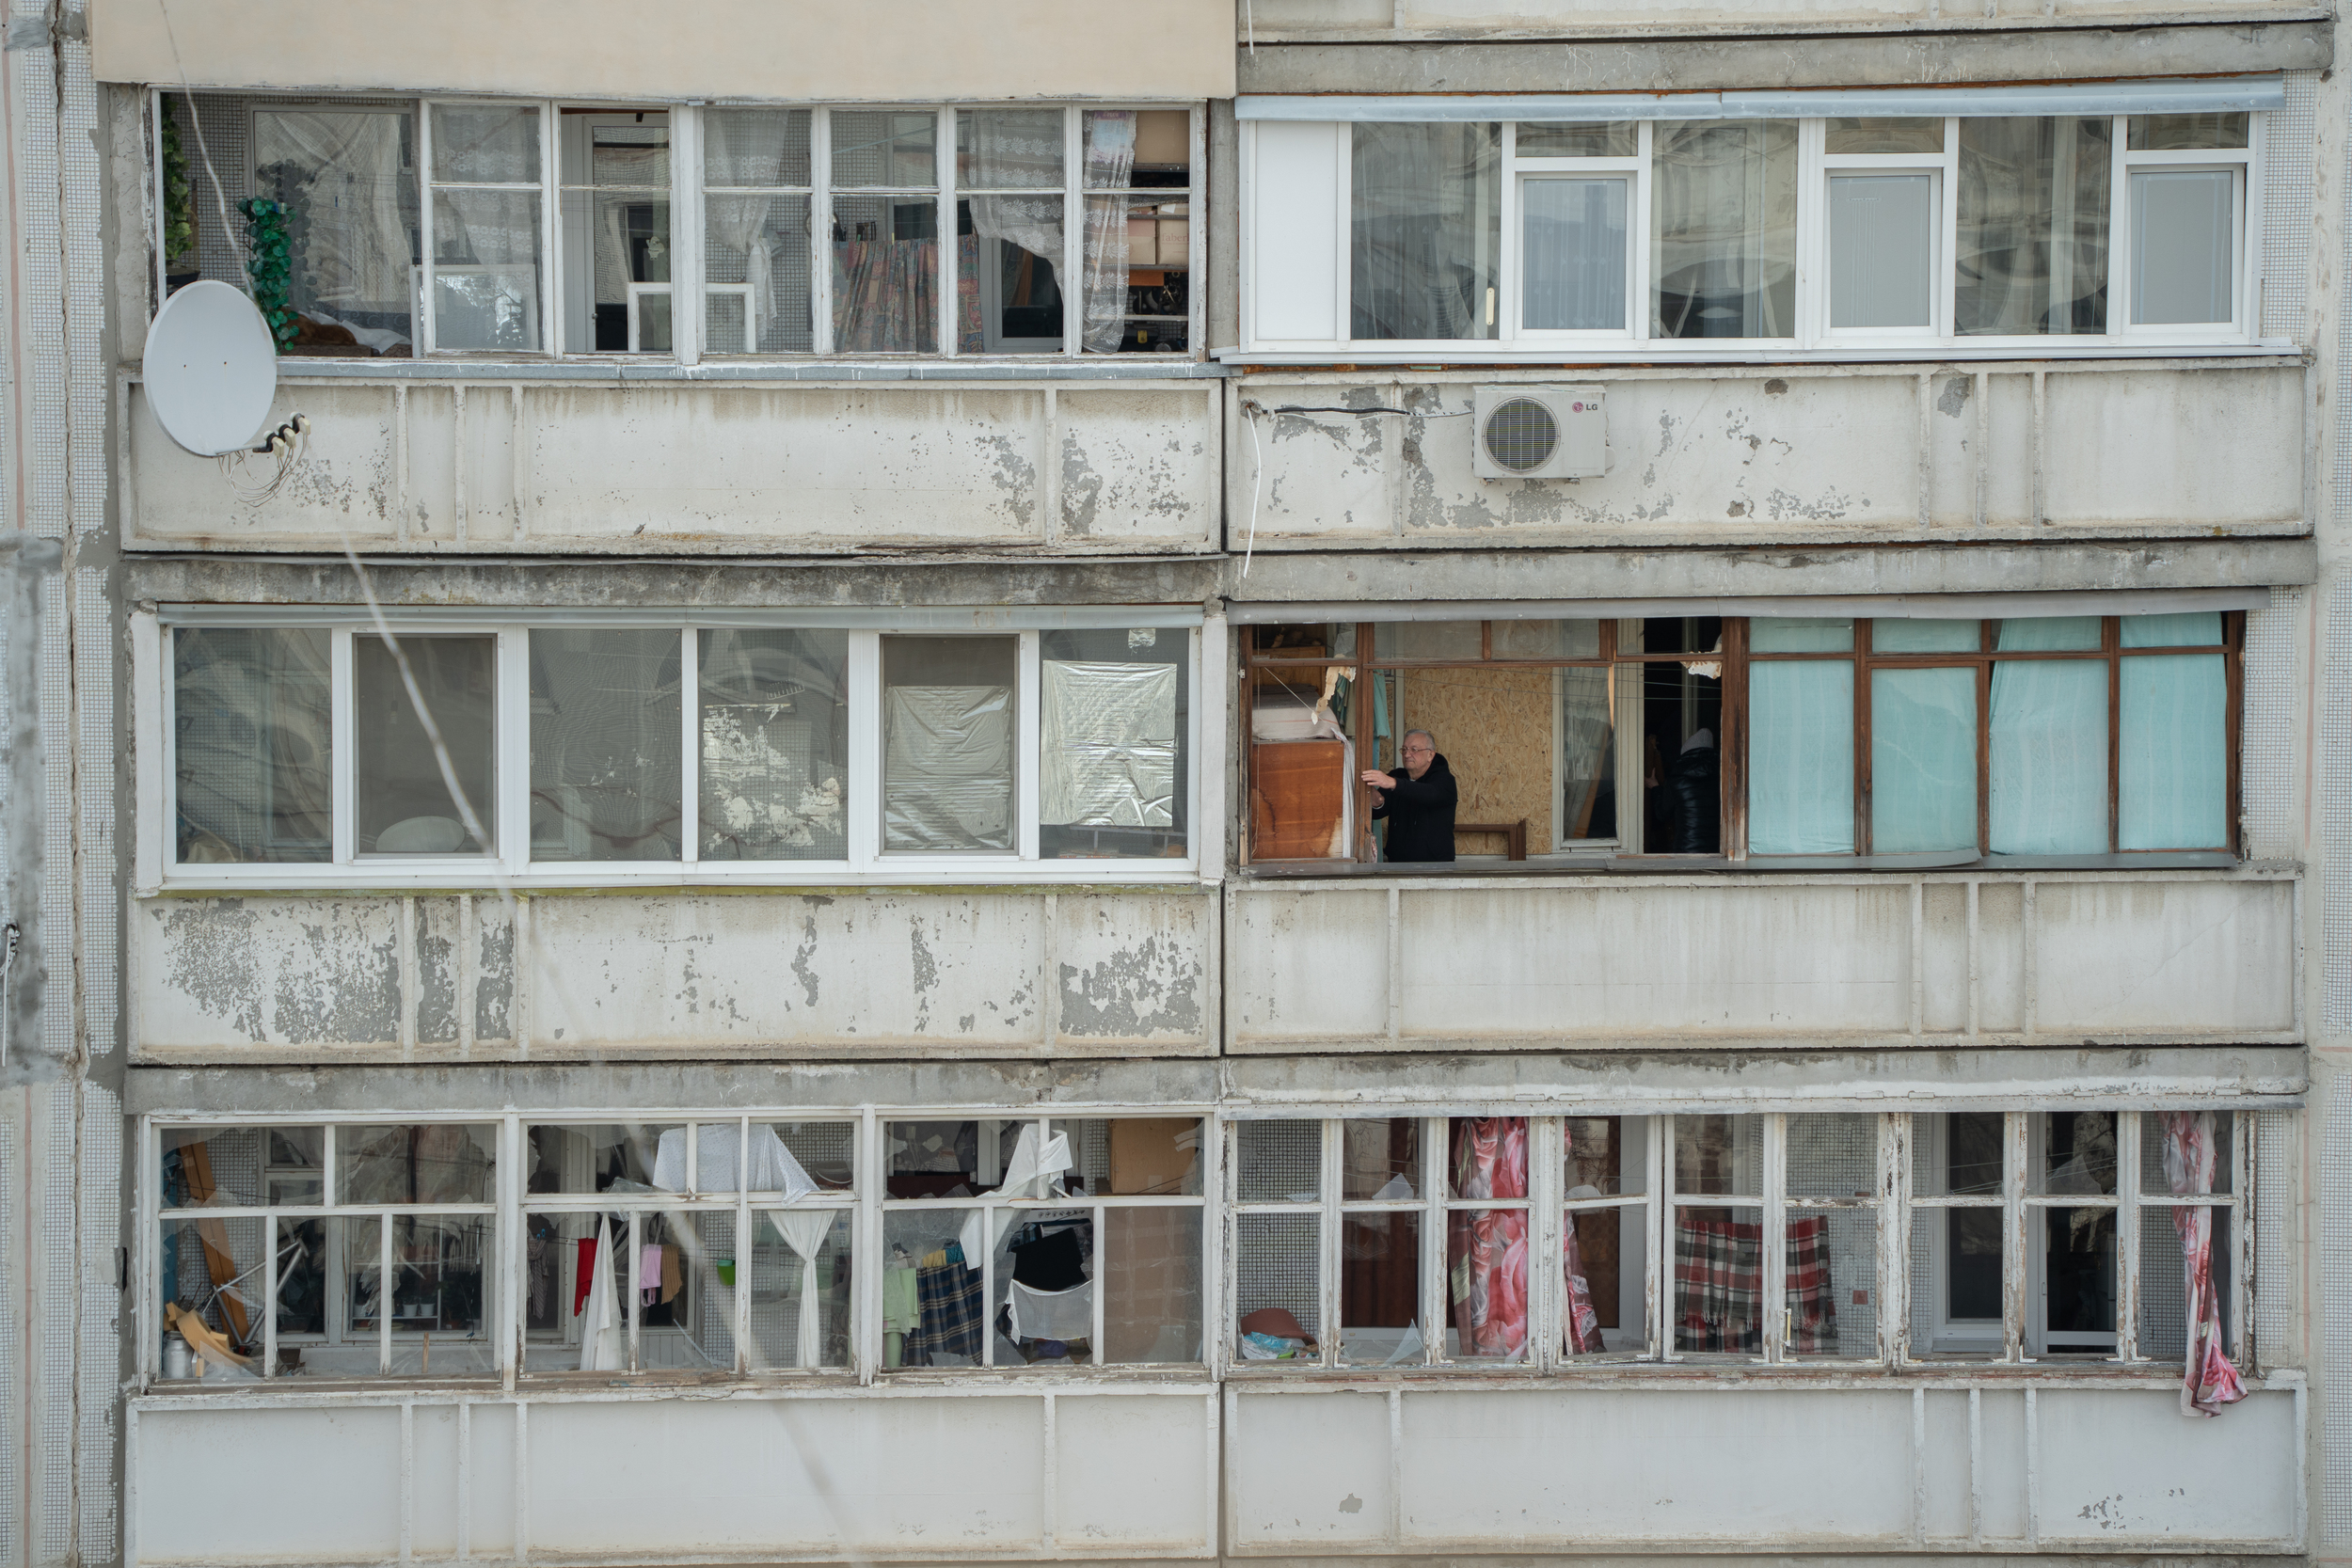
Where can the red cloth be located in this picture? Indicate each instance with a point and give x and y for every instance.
(2208, 1381)
(1487, 1248)
(587, 1275)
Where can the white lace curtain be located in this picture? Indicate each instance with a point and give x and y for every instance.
(1024, 149)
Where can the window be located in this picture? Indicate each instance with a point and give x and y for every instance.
(1808, 233)
(327, 1251)
(615, 751)
(2061, 736)
(687, 230)
(1027, 1242)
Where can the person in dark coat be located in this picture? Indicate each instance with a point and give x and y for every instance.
(1417, 800)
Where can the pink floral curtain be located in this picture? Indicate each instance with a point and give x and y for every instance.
(2208, 1382)
(1486, 1249)
(885, 296)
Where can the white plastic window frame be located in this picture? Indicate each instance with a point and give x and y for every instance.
(2021, 1337)
(1517, 172)
(1897, 1208)
(1098, 1204)
(1819, 167)
(1813, 334)
(153, 1218)
(509, 811)
(749, 1209)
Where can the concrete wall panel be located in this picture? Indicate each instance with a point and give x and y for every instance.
(948, 972)
(608, 467)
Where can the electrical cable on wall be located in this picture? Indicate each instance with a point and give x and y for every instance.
(1257, 475)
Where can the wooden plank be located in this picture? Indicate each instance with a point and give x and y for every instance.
(196, 1161)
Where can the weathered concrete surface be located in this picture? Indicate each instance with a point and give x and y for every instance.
(718, 467)
(1725, 1467)
(1769, 454)
(2128, 957)
(946, 972)
(1494, 45)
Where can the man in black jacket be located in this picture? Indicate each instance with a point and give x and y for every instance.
(1418, 801)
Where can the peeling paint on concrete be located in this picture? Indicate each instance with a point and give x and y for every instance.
(1149, 988)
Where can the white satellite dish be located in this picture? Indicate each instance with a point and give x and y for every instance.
(210, 369)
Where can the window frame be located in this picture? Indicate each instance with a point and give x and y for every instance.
(691, 286)
(1812, 335)
(866, 860)
(1737, 658)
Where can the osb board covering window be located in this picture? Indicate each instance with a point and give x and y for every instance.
(1495, 728)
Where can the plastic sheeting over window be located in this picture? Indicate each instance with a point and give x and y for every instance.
(1108, 745)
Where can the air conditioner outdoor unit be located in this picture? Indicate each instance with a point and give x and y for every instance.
(1540, 432)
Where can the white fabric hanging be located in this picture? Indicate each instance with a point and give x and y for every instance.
(772, 1169)
(1030, 1173)
(1053, 1314)
(740, 222)
(804, 1231)
(601, 1349)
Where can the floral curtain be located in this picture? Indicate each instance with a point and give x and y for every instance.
(2209, 1381)
(1486, 1248)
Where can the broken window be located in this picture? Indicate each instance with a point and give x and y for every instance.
(746, 749)
(1025, 1243)
(325, 1251)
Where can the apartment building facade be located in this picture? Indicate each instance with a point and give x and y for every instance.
(733, 913)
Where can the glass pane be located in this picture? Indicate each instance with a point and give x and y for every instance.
(439, 1276)
(1152, 1309)
(2033, 224)
(595, 1157)
(2078, 1279)
(1574, 259)
(224, 1167)
(1794, 634)
(1588, 756)
(1615, 138)
(1426, 223)
(1149, 280)
(485, 144)
(1278, 1294)
(2049, 761)
(884, 149)
(1973, 1158)
(931, 1158)
(1681, 709)
(1923, 760)
(2078, 1155)
(251, 760)
(1426, 639)
(1719, 1154)
(793, 1291)
(947, 721)
(885, 274)
(681, 1276)
(775, 743)
(2184, 246)
(1138, 1156)
(2167, 1239)
(1380, 1289)
(1545, 639)
(1279, 1162)
(617, 294)
(1883, 136)
(1832, 1283)
(2185, 133)
(297, 1172)
(1114, 713)
(754, 147)
(1801, 758)
(1009, 150)
(486, 269)
(755, 259)
(1111, 149)
(1832, 1154)
(1882, 250)
(362, 1276)
(429, 1163)
(629, 150)
(2050, 634)
(1925, 637)
(1603, 1270)
(605, 744)
(2173, 753)
(1719, 1280)
(351, 176)
(1723, 228)
(1163, 156)
(2195, 630)
(401, 804)
(302, 1279)
(2185, 1152)
(1010, 283)
(1380, 1159)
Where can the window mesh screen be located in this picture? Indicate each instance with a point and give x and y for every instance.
(1278, 1160)
(2275, 1144)
(1274, 1265)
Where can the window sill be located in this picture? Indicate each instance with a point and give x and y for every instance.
(503, 371)
(1494, 867)
(1707, 352)
(365, 880)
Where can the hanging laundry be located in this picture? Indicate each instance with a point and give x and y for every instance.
(1054, 1261)
(948, 1292)
(902, 1313)
(672, 1280)
(648, 1273)
(584, 1275)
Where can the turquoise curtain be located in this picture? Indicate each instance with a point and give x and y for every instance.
(1801, 757)
(2049, 762)
(2049, 634)
(1800, 634)
(2171, 751)
(1923, 759)
(1924, 637)
(2198, 629)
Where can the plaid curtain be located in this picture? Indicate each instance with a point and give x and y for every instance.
(1719, 1286)
(947, 1297)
